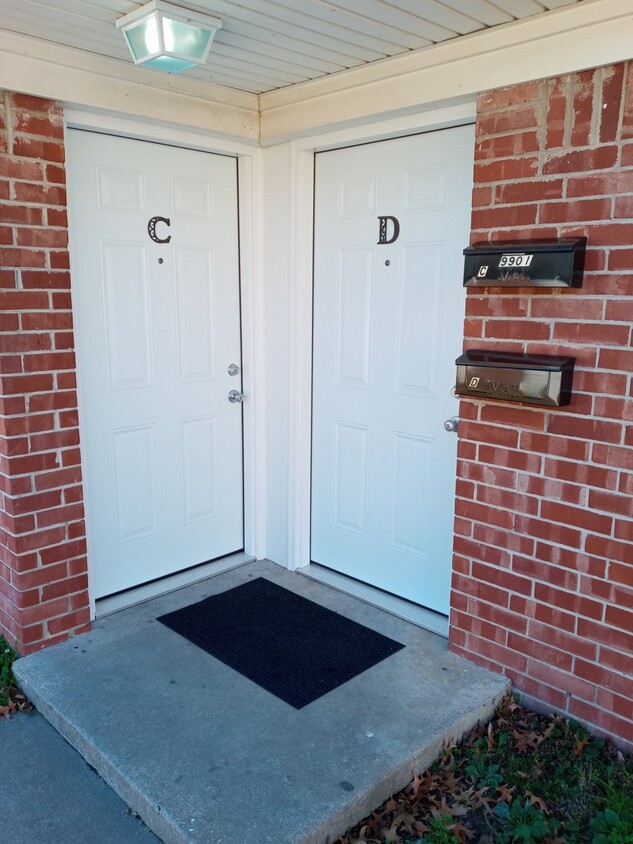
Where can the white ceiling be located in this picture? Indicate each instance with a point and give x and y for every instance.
(269, 44)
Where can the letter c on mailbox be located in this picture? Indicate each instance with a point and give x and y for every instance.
(382, 231)
(151, 229)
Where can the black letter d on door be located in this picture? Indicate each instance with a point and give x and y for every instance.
(382, 231)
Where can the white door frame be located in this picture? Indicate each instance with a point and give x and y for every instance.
(301, 263)
(249, 198)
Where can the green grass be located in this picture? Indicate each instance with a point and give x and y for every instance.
(522, 779)
(7, 681)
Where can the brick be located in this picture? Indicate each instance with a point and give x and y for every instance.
(611, 98)
(64, 587)
(478, 551)
(578, 161)
(496, 654)
(620, 310)
(510, 458)
(598, 334)
(46, 127)
(63, 551)
(58, 478)
(576, 517)
(14, 257)
(619, 662)
(480, 627)
(503, 539)
(627, 116)
(581, 473)
(582, 108)
(567, 307)
(568, 601)
(481, 197)
(620, 505)
(45, 280)
(52, 401)
(11, 168)
(609, 383)
(556, 113)
(616, 359)
(510, 120)
(610, 455)
(603, 547)
(47, 321)
(502, 578)
(558, 534)
(44, 611)
(482, 513)
(45, 238)
(540, 651)
(56, 217)
(32, 148)
(589, 429)
(498, 306)
(38, 105)
(606, 634)
(626, 484)
(49, 361)
(68, 622)
(621, 260)
(513, 416)
(59, 260)
(504, 217)
(562, 680)
(494, 475)
(506, 169)
(529, 191)
(577, 211)
(536, 695)
(22, 215)
(518, 330)
(55, 174)
(515, 95)
(502, 146)
(600, 676)
(39, 193)
(493, 436)
(623, 207)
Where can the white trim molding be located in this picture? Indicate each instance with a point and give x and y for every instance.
(566, 40)
(40, 68)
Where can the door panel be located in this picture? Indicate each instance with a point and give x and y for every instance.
(388, 321)
(157, 325)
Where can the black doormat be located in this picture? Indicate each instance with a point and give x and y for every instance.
(292, 647)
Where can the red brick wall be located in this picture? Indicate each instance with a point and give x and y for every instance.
(43, 578)
(543, 557)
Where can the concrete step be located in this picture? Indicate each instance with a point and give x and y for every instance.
(205, 756)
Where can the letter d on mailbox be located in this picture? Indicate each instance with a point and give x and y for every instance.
(510, 376)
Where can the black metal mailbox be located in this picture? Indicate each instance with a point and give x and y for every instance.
(512, 376)
(525, 263)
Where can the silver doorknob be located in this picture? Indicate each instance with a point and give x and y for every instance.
(452, 424)
(233, 369)
(235, 396)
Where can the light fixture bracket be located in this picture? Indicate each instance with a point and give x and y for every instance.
(167, 37)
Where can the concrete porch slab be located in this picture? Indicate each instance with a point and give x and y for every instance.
(205, 756)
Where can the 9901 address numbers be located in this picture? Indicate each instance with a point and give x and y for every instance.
(515, 260)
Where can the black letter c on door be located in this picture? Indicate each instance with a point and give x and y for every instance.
(151, 229)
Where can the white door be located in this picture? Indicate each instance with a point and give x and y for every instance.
(155, 272)
(391, 221)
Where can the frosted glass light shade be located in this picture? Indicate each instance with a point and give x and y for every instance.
(167, 37)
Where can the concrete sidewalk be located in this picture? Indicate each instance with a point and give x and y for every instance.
(49, 795)
(204, 755)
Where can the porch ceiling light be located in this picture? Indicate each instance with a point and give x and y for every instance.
(167, 37)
